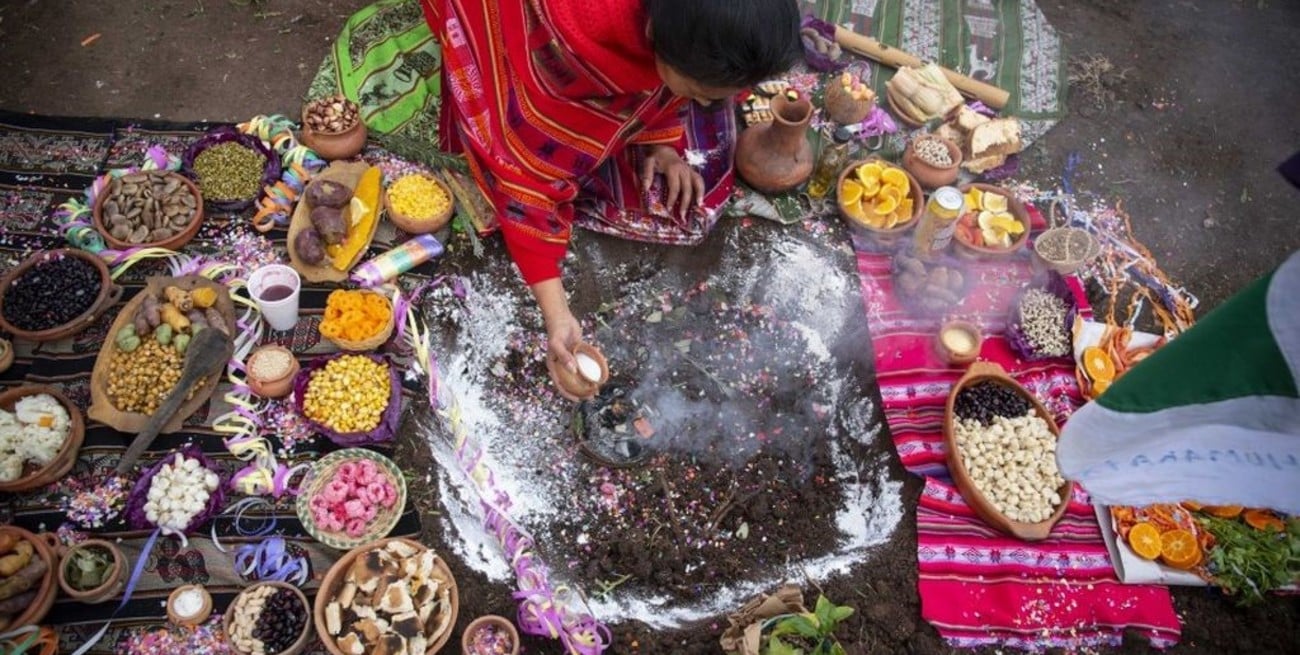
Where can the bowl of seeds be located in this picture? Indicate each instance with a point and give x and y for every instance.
(268, 618)
(332, 127)
(148, 209)
(55, 294)
(230, 168)
(1041, 323)
(932, 160)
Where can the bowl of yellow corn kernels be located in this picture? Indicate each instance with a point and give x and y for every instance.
(352, 399)
(418, 203)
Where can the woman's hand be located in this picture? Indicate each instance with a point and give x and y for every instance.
(562, 330)
(683, 182)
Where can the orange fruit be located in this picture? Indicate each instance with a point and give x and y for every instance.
(1262, 519)
(1191, 505)
(1144, 539)
(1099, 387)
(894, 177)
(1223, 511)
(869, 174)
(905, 210)
(855, 212)
(1098, 365)
(851, 192)
(884, 204)
(1178, 548)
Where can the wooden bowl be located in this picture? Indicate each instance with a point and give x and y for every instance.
(278, 387)
(335, 145)
(102, 409)
(174, 243)
(890, 236)
(374, 341)
(990, 372)
(322, 471)
(297, 646)
(1017, 211)
(58, 467)
(45, 545)
(6, 355)
(573, 385)
(205, 609)
(333, 582)
(108, 296)
(929, 176)
(111, 586)
(484, 621)
(422, 225)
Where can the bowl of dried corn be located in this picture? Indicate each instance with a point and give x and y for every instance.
(418, 203)
(352, 399)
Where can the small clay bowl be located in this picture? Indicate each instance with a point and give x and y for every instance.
(1017, 210)
(574, 384)
(35, 478)
(6, 355)
(421, 225)
(274, 388)
(303, 638)
(489, 620)
(335, 145)
(948, 350)
(886, 238)
(174, 243)
(930, 176)
(112, 584)
(205, 609)
(107, 296)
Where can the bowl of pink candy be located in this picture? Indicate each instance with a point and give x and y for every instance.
(351, 497)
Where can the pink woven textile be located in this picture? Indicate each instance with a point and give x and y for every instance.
(978, 587)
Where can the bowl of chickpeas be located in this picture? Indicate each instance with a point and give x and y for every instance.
(352, 399)
(418, 203)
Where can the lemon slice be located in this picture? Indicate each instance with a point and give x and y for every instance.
(985, 220)
(974, 200)
(994, 202)
(1005, 223)
(991, 236)
(851, 192)
(356, 211)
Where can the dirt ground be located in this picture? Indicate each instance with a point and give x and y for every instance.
(1183, 109)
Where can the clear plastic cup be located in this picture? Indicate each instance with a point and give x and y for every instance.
(275, 289)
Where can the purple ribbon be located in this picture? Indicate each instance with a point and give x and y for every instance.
(270, 560)
(131, 582)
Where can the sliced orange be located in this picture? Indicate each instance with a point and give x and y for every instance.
(894, 177)
(905, 210)
(1099, 387)
(1144, 539)
(1178, 548)
(884, 205)
(855, 212)
(851, 192)
(1191, 505)
(1262, 519)
(1223, 511)
(1098, 365)
(869, 174)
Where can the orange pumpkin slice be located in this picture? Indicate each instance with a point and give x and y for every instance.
(1262, 519)
(1223, 511)
(1178, 548)
(1098, 365)
(1144, 539)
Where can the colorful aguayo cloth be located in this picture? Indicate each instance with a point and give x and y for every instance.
(977, 586)
(44, 161)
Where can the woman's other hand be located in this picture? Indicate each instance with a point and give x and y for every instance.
(562, 330)
(684, 184)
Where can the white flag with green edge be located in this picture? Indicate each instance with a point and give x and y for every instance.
(1213, 416)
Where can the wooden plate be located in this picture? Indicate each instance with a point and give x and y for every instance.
(347, 173)
(990, 372)
(333, 582)
(58, 467)
(102, 409)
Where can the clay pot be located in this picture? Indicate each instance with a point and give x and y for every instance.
(884, 238)
(47, 588)
(775, 156)
(990, 372)
(198, 618)
(499, 622)
(929, 176)
(227, 621)
(67, 455)
(427, 225)
(843, 108)
(335, 145)
(953, 356)
(112, 584)
(275, 388)
(174, 243)
(575, 384)
(1014, 207)
(108, 296)
(6, 355)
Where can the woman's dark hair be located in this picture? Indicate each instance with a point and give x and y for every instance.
(726, 43)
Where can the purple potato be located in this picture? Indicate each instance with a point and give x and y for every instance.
(308, 246)
(324, 193)
(330, 225)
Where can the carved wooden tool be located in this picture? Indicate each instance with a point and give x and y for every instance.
(890, 56)
(208, 352)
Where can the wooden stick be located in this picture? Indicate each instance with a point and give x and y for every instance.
(890, 56)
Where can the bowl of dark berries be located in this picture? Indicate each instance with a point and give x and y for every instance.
(54, 294)
(268, 618)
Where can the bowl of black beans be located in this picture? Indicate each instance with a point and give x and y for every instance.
(54, 294)
(268, 618)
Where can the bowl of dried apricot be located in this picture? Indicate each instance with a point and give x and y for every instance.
(357, 320)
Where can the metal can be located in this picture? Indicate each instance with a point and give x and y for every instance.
(939, 221)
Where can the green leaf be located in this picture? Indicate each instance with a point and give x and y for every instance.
(823, 611)
(804, 627)
(840, 613)
(777, 647)
(837, 650)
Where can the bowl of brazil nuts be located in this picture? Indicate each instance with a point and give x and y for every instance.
(148, 209)
(332, 127)
(268, 618)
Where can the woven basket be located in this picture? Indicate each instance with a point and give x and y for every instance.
(375, 341)
(323, 471)
(1079, 245)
